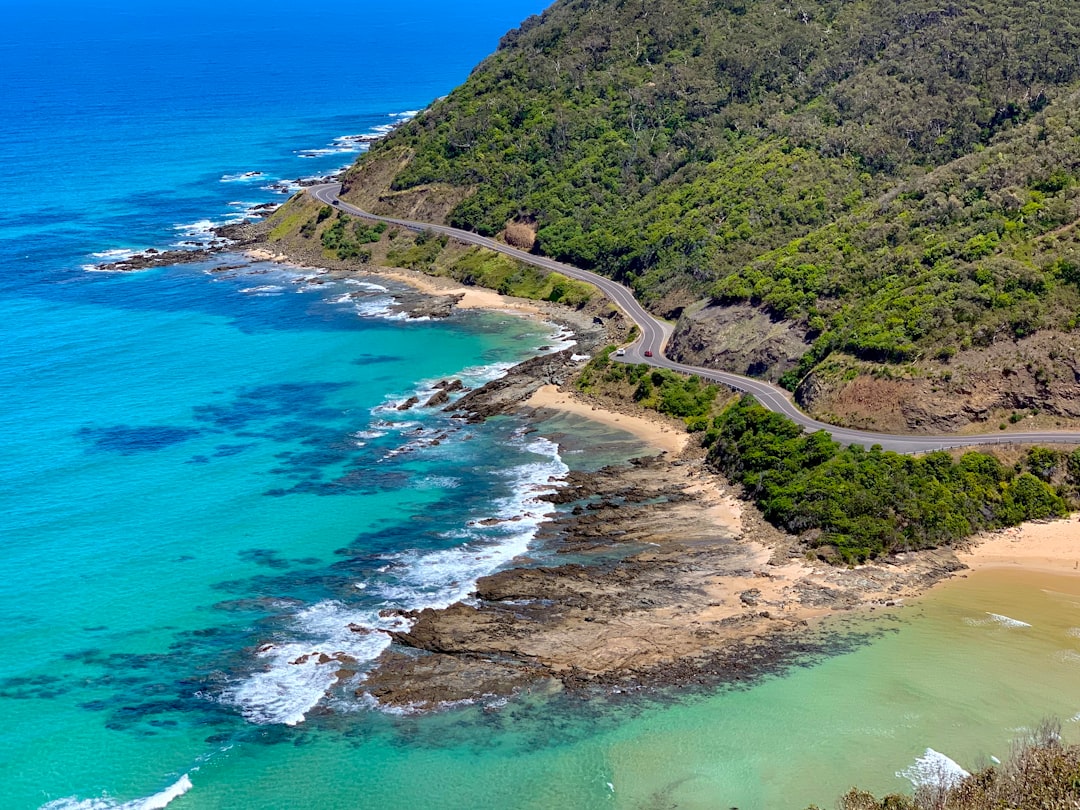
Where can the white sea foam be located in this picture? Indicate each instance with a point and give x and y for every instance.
(242, 177)
(1006, 621)
(379, 308)
(1074, 632)
(998, 619)
(367, 285)
(199, 233)
(933, 769)
(156, 802)
(249, 210)
(109, 257)
(297, 673)
(351, 144)
(115, 255)
(472, 377)
(263, 290)
(369, 434)
(440, 578)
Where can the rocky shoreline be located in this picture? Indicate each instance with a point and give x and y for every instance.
(664, 591)
(672, 581)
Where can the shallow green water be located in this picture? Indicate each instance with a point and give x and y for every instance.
(943, 675)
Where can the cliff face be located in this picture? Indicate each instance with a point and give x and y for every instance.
(1033, 382)
(739, 338)
(894, 182)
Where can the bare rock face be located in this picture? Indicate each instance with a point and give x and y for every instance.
(438, 398)
(986, 386)
(739, 338)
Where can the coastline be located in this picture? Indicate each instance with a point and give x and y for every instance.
(728, 596)
(688, 584)
(659, 433)
(1051, 547)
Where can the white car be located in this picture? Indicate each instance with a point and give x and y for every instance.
(620, 352)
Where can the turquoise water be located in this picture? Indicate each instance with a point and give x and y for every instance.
(205, 480)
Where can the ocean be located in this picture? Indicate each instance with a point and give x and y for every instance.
(205, 476)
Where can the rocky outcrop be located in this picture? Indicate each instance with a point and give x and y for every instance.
(679, 592)
(738, 338)
(518, 384)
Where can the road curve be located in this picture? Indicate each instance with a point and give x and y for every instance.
(655, 334)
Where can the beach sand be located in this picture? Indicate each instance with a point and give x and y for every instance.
(655, 433)
(472, 297)
(1049, 547)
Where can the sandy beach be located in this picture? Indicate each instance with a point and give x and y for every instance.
(471, 297)
(1050, 547)
(654, 432)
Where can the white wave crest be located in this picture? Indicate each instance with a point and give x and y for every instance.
(298, 673)
(933, 769)
(1006, 621)
(382, 308)
(155, 802)
(367, 285)
(242, 177)
(998, 619)
(116, 254)
(438, 579)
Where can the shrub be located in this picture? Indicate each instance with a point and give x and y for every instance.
(865, 503)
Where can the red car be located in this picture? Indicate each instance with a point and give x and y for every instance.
(648, 353)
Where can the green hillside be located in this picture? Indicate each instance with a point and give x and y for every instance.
(897, 177)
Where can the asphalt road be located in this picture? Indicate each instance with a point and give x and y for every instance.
(655, 334)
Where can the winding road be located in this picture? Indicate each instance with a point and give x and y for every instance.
(655, 334)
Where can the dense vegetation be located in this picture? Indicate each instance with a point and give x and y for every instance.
(898, 176)
(659, 389)
(855, 504)
(1042, 774)
(346, 242)
(976, 251)
(850, 503)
